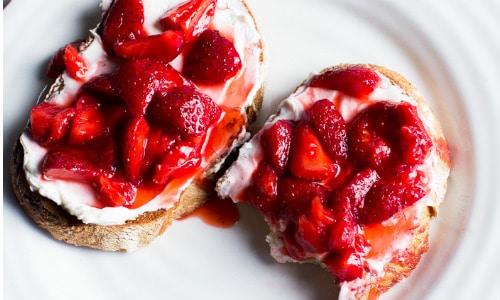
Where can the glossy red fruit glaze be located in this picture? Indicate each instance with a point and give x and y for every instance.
(355, 81)
(115, 191)
(192, 17)
(76, 65)
(276, 140)
(88, 122)
(185, 109)
(212, 59)
(123, 22)
(181, 157)
(50, 123)
(68, 165)
(56, 64)
(149, 77)
(308, 158)
(388, 133)
(164, 46)
(133, 145)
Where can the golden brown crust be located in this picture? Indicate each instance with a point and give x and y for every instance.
(134, 234)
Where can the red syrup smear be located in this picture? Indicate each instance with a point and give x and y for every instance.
(217, 212)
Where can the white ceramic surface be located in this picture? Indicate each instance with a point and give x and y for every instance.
(449, 49)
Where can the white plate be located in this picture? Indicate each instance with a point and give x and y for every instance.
(449, 50)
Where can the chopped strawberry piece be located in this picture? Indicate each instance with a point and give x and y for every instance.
(56, 64)
(356, 81)
(308, 158)
(182, 157)
(186, 110)
(75, 64)
(386, 133)
(192, 17)
(159, 142)
(150, 76)
(135, 137)
(123, 22)
(115, 191)
(389, 196)
(276, 142)
(262, 193)
(295, 196)
(88, 123)
(68, 165)
(102, 86)
(312, 229)
(50, 123)
(266, 180)
(356, 189)
(344, 265)
(165, 47)
(330, 126)
(212, 59)
(343, 230)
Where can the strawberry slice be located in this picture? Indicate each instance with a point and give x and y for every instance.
(388, 133)
(212, 59)
(331, 128)
(159, 142)
(50, 123)
(295, 196)
(134, 141)
(88, 123)
(192, 17)
(276, 142)
(308, 158)
(165, 47)
(115, 191)
(389, 196)
(182, 157)
(102, 86)
(115, 30)
(56, 64)
(150, 76)
(68, 165)
(356, 81)
(186, 110)
(312, 230)
(76, 65)
(344, 265)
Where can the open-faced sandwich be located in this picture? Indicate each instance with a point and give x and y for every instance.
(140, 118)
(348, 173)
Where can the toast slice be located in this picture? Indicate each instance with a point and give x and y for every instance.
(173, 33)
(326, 171)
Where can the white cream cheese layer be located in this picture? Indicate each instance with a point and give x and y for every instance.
(233, 20)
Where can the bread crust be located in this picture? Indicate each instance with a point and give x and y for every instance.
(133, 234)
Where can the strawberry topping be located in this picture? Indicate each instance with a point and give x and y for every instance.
(321, 179)
(212, 59)
(192, 17)
(143, 123)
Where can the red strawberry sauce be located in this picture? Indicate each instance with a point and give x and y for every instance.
(322, 179)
